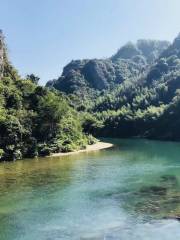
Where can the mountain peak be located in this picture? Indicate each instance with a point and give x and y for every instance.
(149, 49)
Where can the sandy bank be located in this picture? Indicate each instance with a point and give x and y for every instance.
(95, 147)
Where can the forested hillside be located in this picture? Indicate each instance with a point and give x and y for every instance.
(87, 76)
(34, 120)
(136, 92)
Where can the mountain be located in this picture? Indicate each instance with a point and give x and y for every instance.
(100, 74)
(135, 93)
(148, 50)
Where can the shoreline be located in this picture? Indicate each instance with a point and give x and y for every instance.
(90, 148)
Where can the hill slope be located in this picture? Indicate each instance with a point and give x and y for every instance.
(83, 76)
(34, 120)
(135, 93)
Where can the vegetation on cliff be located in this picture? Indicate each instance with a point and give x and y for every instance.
(136, 92)
(33, 119)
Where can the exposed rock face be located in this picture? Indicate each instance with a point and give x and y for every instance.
(98, 74)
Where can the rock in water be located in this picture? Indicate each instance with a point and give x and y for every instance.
(155, 190)
(169, 180)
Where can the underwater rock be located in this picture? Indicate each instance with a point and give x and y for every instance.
(163, 206)
(155, 190)
(169, 179)
(147, 208)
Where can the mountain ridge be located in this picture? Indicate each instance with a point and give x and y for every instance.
(99, 74)
(139, 96)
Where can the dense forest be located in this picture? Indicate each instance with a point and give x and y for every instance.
(34, 121)
(134, 93)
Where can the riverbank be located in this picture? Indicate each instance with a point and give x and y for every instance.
(90, 148)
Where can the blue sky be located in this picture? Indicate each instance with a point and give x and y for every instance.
(44, 35)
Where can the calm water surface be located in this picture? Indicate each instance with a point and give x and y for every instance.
(108, 194)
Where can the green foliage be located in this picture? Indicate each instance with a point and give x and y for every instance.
(34, 120)
(130, 94)
(90, 123)
(83, 76)
(136, 92)
(33, 78)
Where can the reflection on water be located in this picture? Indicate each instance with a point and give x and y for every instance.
(129, 192)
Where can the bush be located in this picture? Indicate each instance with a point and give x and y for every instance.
(44, 150)
(91, 140)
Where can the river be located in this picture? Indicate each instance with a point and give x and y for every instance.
(129, 192)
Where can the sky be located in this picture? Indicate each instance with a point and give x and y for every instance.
(44, 35)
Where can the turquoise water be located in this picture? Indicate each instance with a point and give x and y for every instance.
(129, 192)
